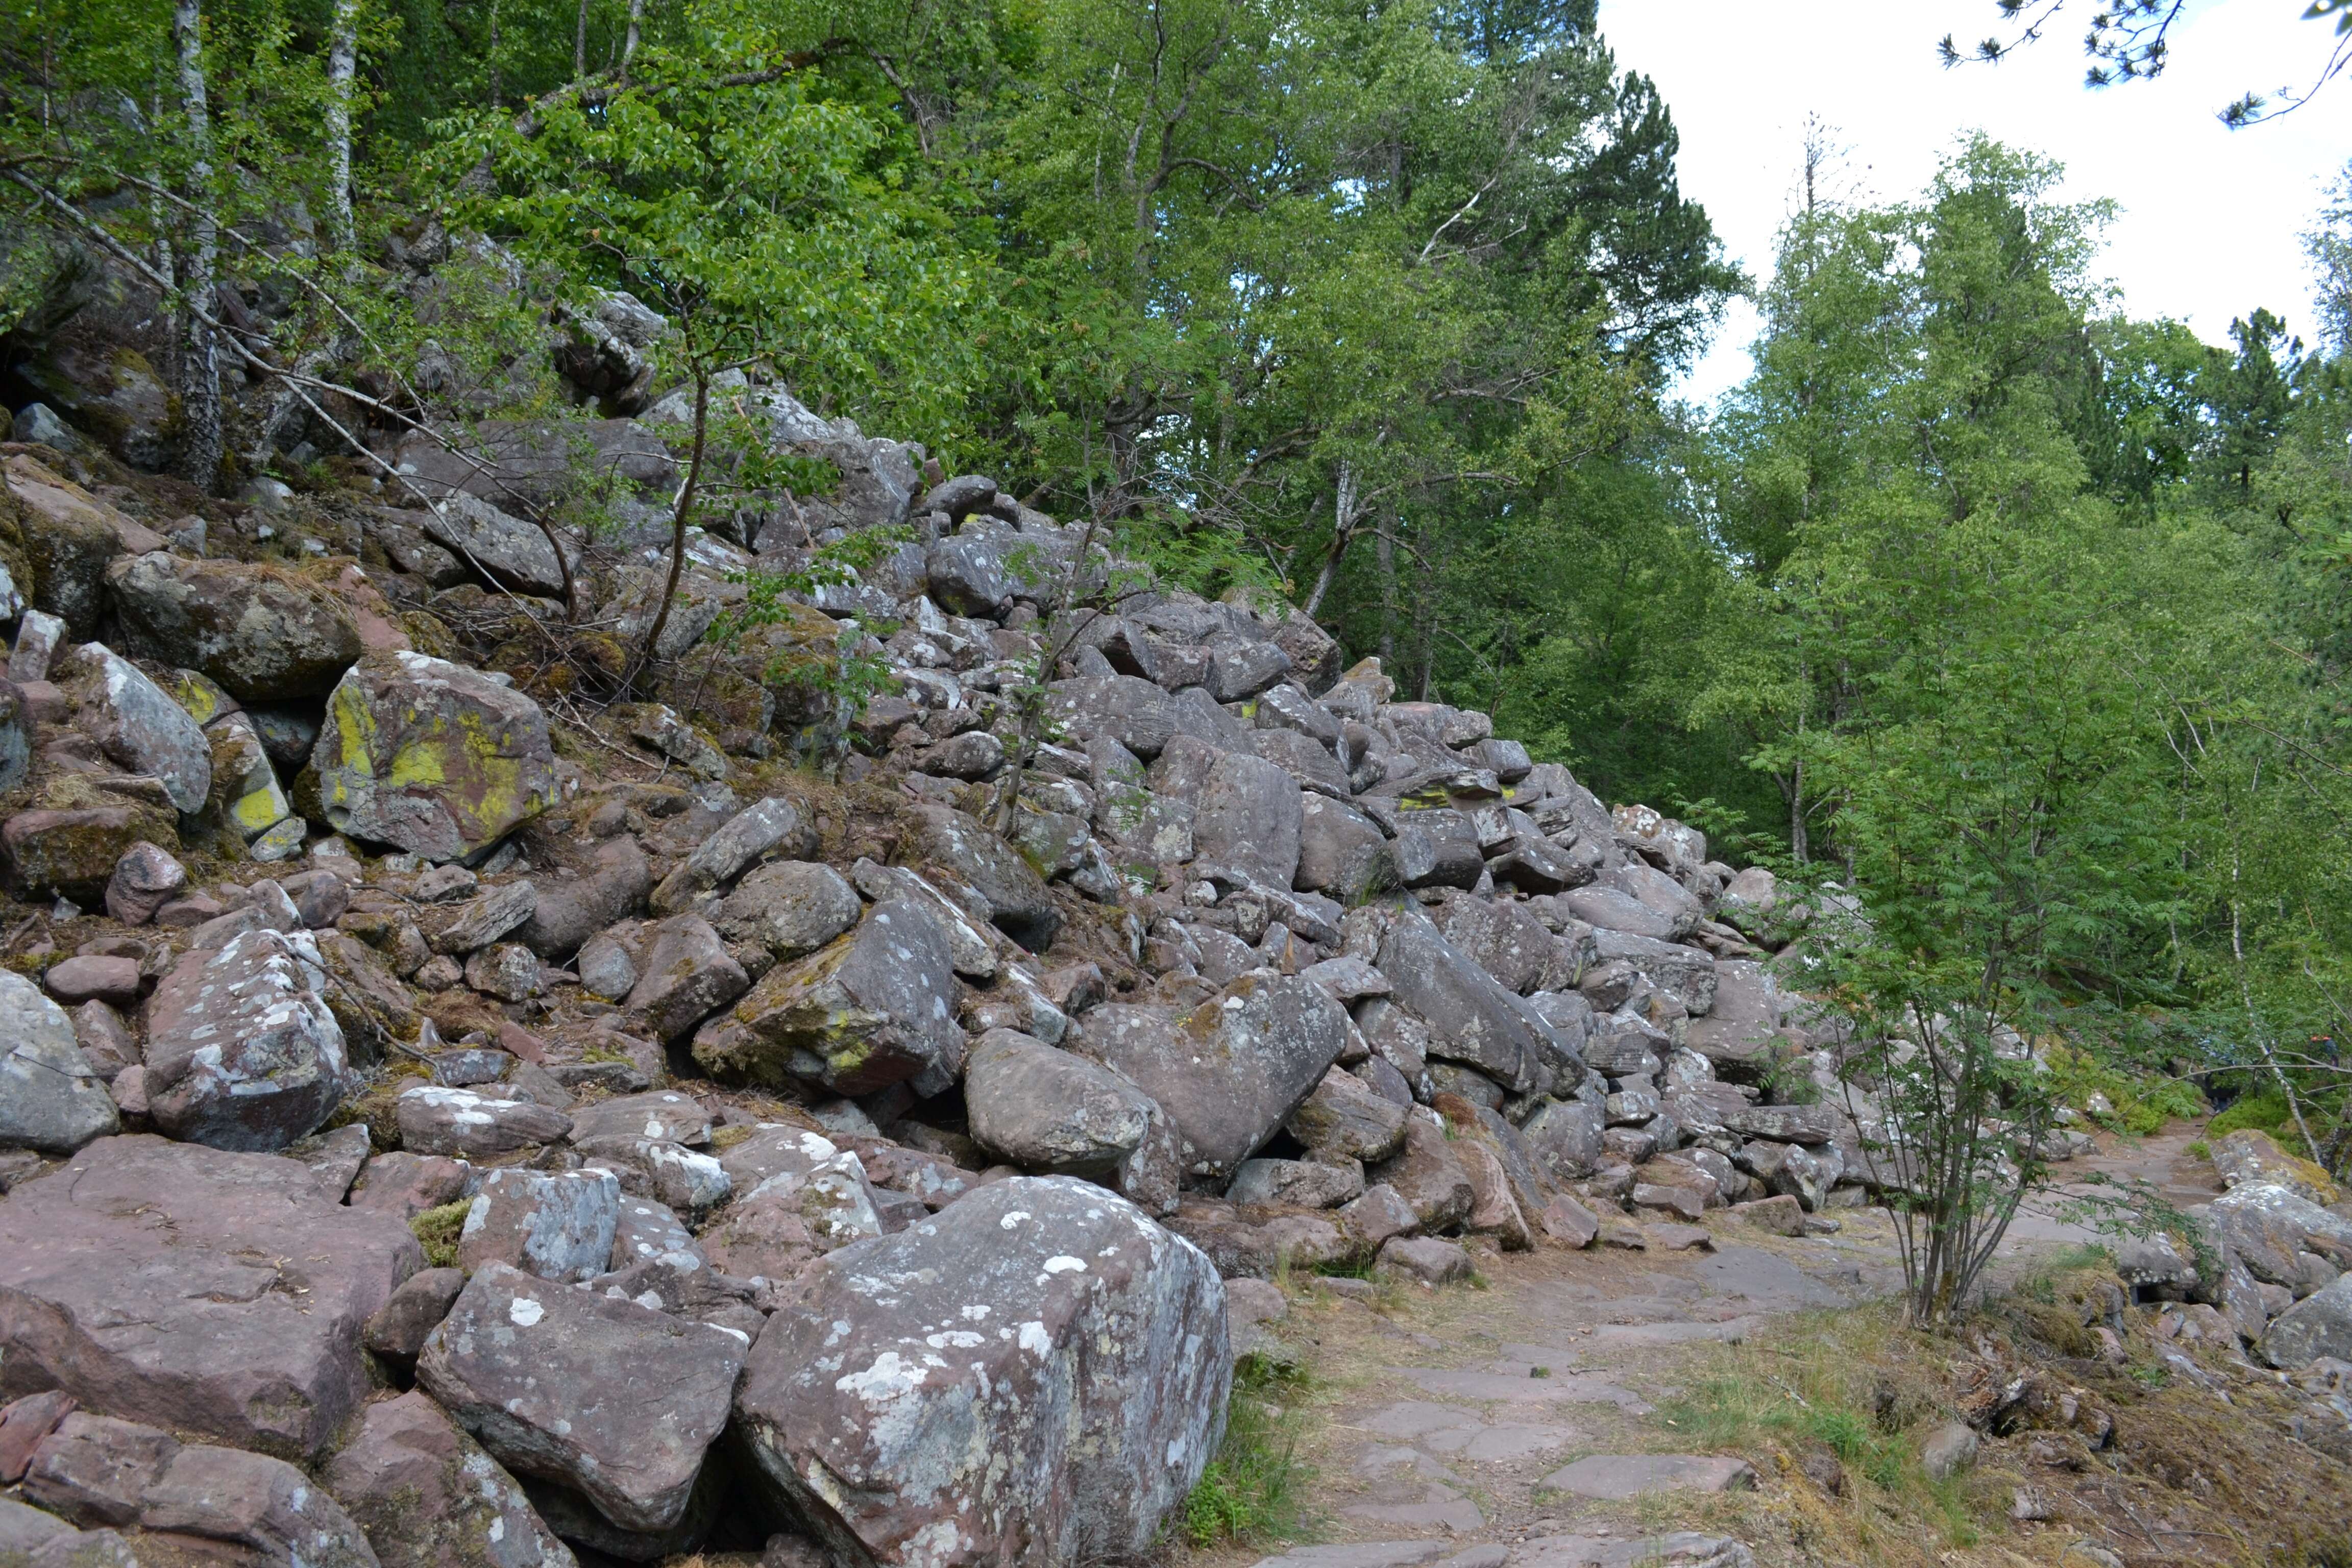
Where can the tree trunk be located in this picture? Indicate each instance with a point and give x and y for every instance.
(1386, 555)
(678, 525)
(1343, 530)
(629, 43)
(343, 65)
(200, 442)
(580, 44)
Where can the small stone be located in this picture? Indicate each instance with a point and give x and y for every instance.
(145, 880)
(1947, 1451)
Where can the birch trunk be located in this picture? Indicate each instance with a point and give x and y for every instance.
(200, 395)
(342, 68)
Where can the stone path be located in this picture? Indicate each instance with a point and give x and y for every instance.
(1518, 1426)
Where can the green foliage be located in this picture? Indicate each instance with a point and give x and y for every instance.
(1255, 1490)
(436, 1231)
(2264, 1110)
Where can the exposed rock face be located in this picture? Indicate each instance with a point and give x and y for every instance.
(878, 1008)
(1077, 1392)
(51, 1099)
(243, 1051)
(1230, 1071)
(431, 756)
(1471, 1017)
(615, 1401)
(158, 1281)
(264, 633)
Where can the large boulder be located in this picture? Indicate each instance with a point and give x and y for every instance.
(99, 1471)
(685, 975)
(1233, 1069)
(1034, 1376)
(963, 850)
(1248, 817)
(137, 724)
(243, 1051)
(51, 1099)
(570, 911)
(615, 1401)
(1472, 1018)
(2266, 1224)
(2318, 1325)
(428, 1497)
(506, 551)
(197, 1290)
(874, 1008)
(70, 849)
(431, 756)
(1747, 1016)
(1132, 711)
(791, 908)
(1046, 1109)
(529, 462)
(774, 825)
(264, 633)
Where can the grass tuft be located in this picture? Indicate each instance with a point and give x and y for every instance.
(1255, 1489)
(438, 1230)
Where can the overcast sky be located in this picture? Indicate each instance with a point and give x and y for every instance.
(2209, 215)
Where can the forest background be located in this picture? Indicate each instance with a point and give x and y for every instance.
(2024, 620)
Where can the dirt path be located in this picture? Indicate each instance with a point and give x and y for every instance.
(1517, 1423)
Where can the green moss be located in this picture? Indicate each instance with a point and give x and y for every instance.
(437, 1231)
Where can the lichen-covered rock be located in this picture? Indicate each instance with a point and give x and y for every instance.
(791, 908)
(963, 850)
(431, 756)
(1047, 1110)
(137, 724)
(686, 974)
(1472, 1018)
(429, 1497)
(246, 798)
(771, 826)
(71, 851)
(51, 1099)
(197, 1290)
(503, 549)
(615, 1401)
(1230, 1071)
(143, 881)
(2318, 1325)
(434, 1119)
(1033, 1377)
(878, 1008)
(243, 1051)
(264, 633)
(557, 1225)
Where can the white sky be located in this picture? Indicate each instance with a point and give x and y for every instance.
(2209, 215)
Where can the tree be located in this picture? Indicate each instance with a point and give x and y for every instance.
(2130, 40)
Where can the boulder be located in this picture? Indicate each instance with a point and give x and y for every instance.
(434, 1119)
(794, 1216)
(1426, 1174)
(1047, 1110)
(138, 725)
(2318, 1325)
(1304, 1183)
(963, 851)
(1507, 940)
(1337, 847)
(400, 1326)
(70, 538)
(482, 919)
(429, 1497)
(1230, 1071)
(556, 1224)
(212, 1292)
(2266, 1224)
(264, 633)
(431, 756)
(1425, 1259)
(246, 799)
(1746, 1014)
(686, 974)
(662, 1114)
(72, 852)
(613, 1400)
(1248, 817)
(538, 462)
(1346, 1119)
(774, 825)
(1075, 1389)
(1471, 1017)
(571, 911)
(877, 1007)
(791, 908)
(1136, 713)
(51, 1099)
(243, 1051)
(100, 1471)
(502, 549)
(1685, 974)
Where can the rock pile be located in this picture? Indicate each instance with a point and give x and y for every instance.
(449, 1117)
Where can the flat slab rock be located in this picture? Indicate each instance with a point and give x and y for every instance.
(1612, 1476)
(1033, 1377)
(1681, 1549)
(195, 1289)
(615, 1401)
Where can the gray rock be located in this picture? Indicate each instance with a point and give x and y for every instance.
(1685, 974)
(556, 1225)
(137, 725)
(614, 1400)
(1614, 1476)
(810, 1207)
(1087, 1383)
(1230, 1071)
(1745, 1017)
(484, 919)
(501, 548)
(2318, 1325)
(1565, 1136)
(1505, 940)
(51, 1099)
(1136, 713)
(1338, 848)
(1307, 1183)
(1428, 1175)
(963, 851)
(972, 573)
(678, 1177)
(1425, 1259)
(263, 633)
(243, 1051)
(400, 1326)
(1346, 1119)
(664, 1115)
(1947, 1451)
(1248, 817)
(1613, 909)
(157, 1280)
(1471, 1018)
(791, 908)
(1047, 1110)
(606, 969)
(145, 880)
(572, 910)
(2266, 1224)
(430, 756)
(771, 826)
(685, 975)
(429, 1497)
(1240, 668)
(433, 1119)
(878, 1008)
